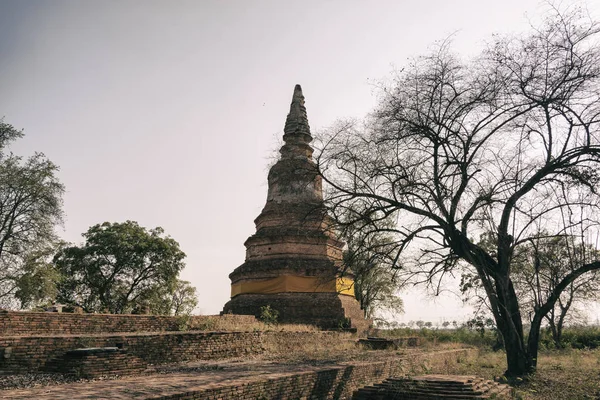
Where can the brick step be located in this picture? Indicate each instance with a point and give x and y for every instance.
(477, 389)
(434, 387)
(427, 391)
(437, 386)
(386, 395)
(383, 394)
(440, 381)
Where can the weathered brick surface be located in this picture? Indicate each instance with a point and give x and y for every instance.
(30, 353)
(329, 383)
(15, 323)
(96, 362)
(333, 383)
(321, 309)
(434, 387)
(251, 381)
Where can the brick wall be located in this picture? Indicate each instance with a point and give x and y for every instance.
(30, 353)
(97, 362)
(15, 323)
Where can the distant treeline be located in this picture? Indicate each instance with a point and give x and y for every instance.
(573, 337)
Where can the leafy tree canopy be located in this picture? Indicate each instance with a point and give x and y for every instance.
(118, 266)
(30, 208)
(175, 298)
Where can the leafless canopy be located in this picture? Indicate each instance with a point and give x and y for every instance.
(508, 143)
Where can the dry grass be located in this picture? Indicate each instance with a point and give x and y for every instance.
(223, 323)
(335, 347)
(311, 348)
(561, 375)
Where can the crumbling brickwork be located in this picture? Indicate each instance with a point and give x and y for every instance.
(34, 353)
(16, 323)
(92, 363)
(31, 353)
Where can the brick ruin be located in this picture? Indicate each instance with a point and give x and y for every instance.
(82, 343)
(99, 344)
(294, 260)
(153, 358)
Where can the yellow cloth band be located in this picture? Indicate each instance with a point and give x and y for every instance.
(295, 284)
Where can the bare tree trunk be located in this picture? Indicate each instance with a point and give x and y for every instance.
(555, 334)
(561, 322)
(533, 342)
(508, 319)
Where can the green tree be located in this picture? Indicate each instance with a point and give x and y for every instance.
(506, 143)
(36, 285)
(175, 298)
(376, 289)
(30, 208)
(117, 266)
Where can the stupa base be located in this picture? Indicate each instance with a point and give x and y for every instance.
(325, 310)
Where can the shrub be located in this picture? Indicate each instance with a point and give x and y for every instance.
(268, 315)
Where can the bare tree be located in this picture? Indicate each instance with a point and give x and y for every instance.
(542, 265)
(506, 143)
(537, 267)
(376, 285)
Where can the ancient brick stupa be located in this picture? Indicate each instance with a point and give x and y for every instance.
(293, 261)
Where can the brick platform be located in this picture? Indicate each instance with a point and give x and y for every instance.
(242, 381)
(383, 343)
(21, 354)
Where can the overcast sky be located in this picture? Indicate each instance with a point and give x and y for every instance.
(166, 112)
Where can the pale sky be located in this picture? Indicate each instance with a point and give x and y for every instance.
(166, 112)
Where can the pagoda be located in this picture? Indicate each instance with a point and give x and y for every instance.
(294, 260)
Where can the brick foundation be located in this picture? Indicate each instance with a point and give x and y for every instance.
(325, 310)
(36, 353)
(31, 353)
(16, 323)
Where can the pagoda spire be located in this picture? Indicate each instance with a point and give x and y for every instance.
(297, 120)
(296, 133)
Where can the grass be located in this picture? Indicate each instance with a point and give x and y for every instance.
(561, 375)
(222, 323)
(569, 374)
(312, 349)
(434, 336)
